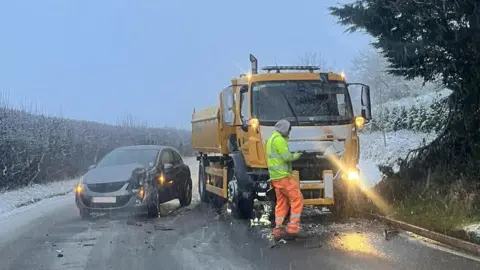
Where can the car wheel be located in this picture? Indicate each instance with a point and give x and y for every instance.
(84, 214)
(185, 197)
(153, 208)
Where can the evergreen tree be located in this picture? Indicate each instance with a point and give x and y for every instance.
(431, 39)
(412, 115)
(403, 119)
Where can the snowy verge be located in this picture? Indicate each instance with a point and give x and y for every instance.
(28, 195)
(373, 151)
(473, 231)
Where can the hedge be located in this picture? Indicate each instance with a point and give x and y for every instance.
(416, 116)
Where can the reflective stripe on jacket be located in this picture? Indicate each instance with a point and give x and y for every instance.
(279, 158)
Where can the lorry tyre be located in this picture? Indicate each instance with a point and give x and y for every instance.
(202, 183)
(240, 207)
(346, 199)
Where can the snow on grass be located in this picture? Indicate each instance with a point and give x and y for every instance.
(419, 101)
(474, 231)
(373, 151)
(24, 196)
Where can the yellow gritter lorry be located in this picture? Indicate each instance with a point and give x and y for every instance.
(230, 137)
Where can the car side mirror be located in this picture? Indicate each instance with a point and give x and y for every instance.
(167, 166)
(91, 167)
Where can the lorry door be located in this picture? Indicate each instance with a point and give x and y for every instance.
(244, 113)
(227, 100)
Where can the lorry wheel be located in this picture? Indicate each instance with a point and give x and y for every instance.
(202, 185)
(240, 207)
(346, 199)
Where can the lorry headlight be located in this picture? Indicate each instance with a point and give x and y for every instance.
(359, 122)
(254, 124)
(353, 175)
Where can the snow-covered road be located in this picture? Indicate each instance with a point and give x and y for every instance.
(51, 235)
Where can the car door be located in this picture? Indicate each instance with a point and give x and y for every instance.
(181, 167)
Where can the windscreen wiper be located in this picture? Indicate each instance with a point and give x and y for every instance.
(291, 108)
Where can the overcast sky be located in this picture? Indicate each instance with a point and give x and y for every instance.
(156, 60)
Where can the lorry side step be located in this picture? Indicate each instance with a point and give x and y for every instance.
(312, 184)
(220, 175)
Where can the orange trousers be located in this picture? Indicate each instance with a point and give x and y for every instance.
(290, 198)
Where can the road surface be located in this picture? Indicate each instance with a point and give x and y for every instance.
(50, 235)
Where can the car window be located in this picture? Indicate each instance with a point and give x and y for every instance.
(177, 159)
(166, 156)
(129, 156)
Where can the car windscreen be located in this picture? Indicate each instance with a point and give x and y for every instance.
(128, 156)
(301, 101)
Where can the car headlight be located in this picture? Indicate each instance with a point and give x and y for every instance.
(79, 188)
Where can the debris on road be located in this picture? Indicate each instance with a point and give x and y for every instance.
(388, 233)
(162, 228)
(134, 223)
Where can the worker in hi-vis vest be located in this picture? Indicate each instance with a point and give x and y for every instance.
(287, 190)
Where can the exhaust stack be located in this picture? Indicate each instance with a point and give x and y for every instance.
(254, 62)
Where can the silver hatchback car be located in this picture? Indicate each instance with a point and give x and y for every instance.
(134, 178)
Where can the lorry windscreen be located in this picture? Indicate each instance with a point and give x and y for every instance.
(300, 102)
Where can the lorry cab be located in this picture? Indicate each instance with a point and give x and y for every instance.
(324, 126)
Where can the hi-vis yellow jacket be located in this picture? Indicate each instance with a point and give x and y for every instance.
(279, 158)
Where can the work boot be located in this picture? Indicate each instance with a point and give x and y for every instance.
(279, 234)
(300, 234)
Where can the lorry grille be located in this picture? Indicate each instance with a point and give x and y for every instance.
(312, 194)
(310, 167)
(106, 187)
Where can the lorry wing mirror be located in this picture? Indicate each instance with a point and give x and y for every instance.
(366, 103)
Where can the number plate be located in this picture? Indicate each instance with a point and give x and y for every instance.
(104, 199)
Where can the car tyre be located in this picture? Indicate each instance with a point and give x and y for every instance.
(153, 208)
(185, 193)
